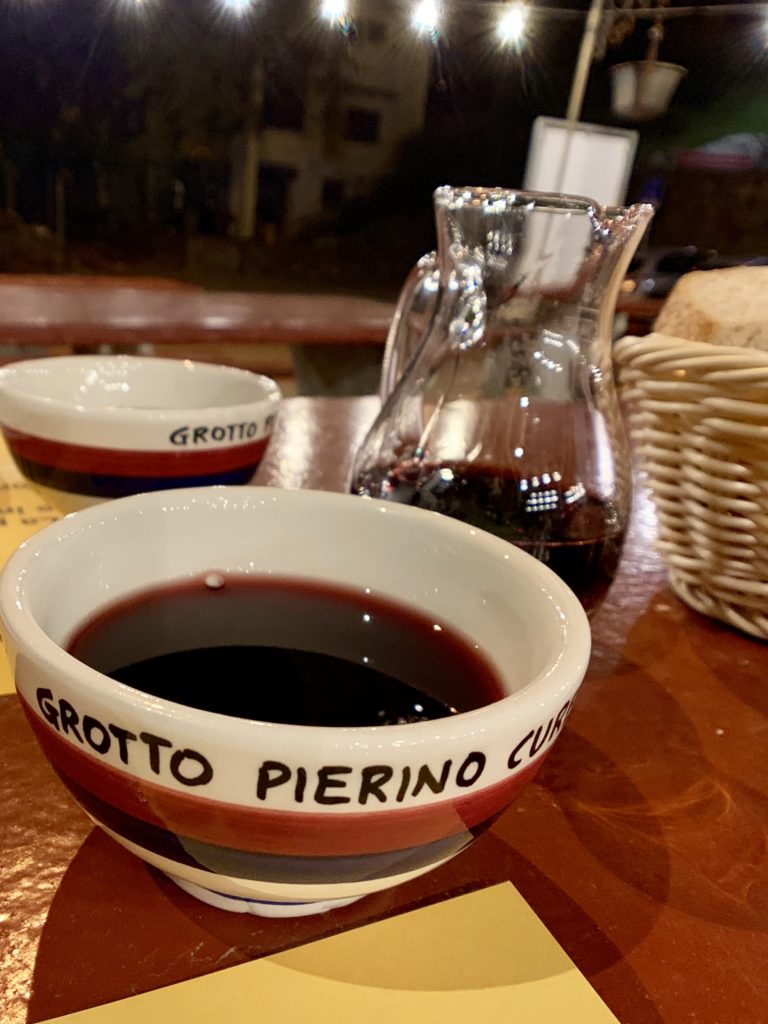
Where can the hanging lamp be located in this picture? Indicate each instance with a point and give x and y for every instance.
(642, 90)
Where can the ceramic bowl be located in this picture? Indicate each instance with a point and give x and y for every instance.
(86, 428)
(180, 786)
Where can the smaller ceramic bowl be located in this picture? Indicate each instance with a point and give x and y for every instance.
(83, 429)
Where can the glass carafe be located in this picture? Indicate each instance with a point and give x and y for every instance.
(499, 406)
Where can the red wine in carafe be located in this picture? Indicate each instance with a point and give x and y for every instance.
(576, 533)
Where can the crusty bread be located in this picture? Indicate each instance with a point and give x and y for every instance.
(724, 307)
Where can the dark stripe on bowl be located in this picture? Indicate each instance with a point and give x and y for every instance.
(290, 832)
(264, 903)
(115, 486)
(94, 461)
(267, 867)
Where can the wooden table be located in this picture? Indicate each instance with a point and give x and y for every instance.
(642, 844)
(315, 344)
(88, 310)
(72, 312)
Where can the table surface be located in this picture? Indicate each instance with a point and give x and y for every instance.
(641, 844)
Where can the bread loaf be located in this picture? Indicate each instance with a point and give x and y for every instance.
(724, 307)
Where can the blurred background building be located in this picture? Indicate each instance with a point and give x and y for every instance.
(330, 130)
(297, 143)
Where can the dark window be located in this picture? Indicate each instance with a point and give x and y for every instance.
(272, 196)
(363, 125)
(333, 193)
(284, 91)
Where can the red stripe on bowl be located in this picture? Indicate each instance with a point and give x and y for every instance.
(260, 829)
(123, 462)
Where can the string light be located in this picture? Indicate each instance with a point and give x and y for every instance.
(335, 11)
(237, 7)
(425, 17)
(139, 9)
(426, 14)
(511, 25)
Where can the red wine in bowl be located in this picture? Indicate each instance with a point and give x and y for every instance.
(285, 650)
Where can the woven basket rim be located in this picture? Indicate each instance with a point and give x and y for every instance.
(695, 355)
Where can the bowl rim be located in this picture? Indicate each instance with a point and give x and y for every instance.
(44, 405)
(560, 675)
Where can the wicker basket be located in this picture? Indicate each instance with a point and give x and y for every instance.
(699, 422)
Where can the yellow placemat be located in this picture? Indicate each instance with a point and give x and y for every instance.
(22, 513)
(483, 957)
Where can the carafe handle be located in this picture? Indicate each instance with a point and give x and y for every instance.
(400, 436)
(419, 294)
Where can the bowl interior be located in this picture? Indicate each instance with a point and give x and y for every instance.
(129, 382)
(520, 615)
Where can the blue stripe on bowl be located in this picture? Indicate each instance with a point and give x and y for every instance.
(265, 903)
(268, 867)
(114, 486)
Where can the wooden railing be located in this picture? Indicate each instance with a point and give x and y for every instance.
(283, 335)
(54, 315)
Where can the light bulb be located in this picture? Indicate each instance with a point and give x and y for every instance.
(511, 25)
(335, 11)
(425, 17)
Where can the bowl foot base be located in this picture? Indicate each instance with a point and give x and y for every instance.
(261, 908)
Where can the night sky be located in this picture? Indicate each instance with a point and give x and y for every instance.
(75, 77)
